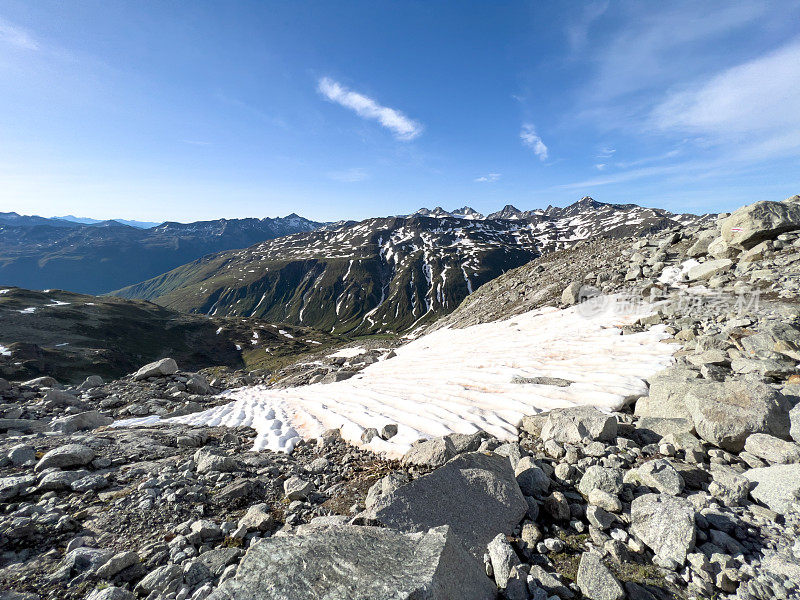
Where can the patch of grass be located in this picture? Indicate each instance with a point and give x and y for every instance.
(638, 573)
(230, 542)
(567, 561)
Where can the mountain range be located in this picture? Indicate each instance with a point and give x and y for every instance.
(386, 274)
(39, 253)
(90, 221)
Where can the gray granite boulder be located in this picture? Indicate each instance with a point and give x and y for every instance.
(724, 414)
(666, 524)
(751, 224)
(159, 368)
(476, 494)
(772, 449)
(572, 425)
(347, 562)
(596, 581)
(430, 453)
(63, 457)
(776, 486)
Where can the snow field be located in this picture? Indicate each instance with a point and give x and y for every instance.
(459, 380)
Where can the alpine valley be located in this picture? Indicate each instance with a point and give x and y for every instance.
(387, 274)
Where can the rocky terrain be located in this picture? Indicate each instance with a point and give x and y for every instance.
(693, 491)
(40, 253)
(389, 274)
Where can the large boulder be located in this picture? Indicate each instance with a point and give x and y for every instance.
(10, 487)
(772, 449)
(430, 453)
(749, 225)
(726, 413)
(159, 368)
(345, 562)
(719, 248)
(571, 293)
(666, 524)
(208, 460)
(197, 384)
(595, 579)
(658, 474)
(777, 486)
(607, 479)
(91, 419)
(476, 494)
(667, 391)
(728, 486)
(71, 455)
(794, 423)
(572, 425)
(708, 269)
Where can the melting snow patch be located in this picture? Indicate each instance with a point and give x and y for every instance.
(459, 380)
(28, 311)
(348, 353)
(5, 291)
(4, 351)
(675, 275)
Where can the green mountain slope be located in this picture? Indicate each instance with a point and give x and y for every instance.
(70, 336)
(379, 275)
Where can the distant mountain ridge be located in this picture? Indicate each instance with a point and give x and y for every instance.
(90, 221)
(386, 274)
(40, 253)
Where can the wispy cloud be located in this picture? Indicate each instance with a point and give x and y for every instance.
(16, 36)
(578, 31)
(400, 125)
(605, 152)
(627, 164)
(532, 140)
(348, 175)
(489, 178)
(662, 48)
(196, 142)
(601, 166)
(754, 105)
(624, 176)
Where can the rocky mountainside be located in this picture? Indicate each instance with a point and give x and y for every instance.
(38, 253)
(388, 274)
(71, 336)
(690, 491)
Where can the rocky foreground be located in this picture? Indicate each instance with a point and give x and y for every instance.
(694, 491)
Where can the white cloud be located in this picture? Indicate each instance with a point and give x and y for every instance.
(403, 128)
(657, 48)
(489, 178)
(605, 152)
(755, 105)
(348, 175)
(16, 36)
(532, 140)
(578, 32)
(647, 159)
(600, 166)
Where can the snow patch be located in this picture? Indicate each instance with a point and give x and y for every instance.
(348, 353)
(459, 380)
(678, 273)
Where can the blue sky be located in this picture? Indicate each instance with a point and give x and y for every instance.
(197, 110)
